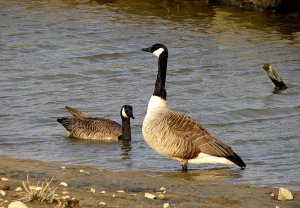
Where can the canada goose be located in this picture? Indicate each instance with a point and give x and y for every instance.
(274, 76)
(82, 126)
(178, 136)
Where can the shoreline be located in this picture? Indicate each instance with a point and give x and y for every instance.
(96, 187)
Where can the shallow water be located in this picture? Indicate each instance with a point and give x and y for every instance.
(86, 54)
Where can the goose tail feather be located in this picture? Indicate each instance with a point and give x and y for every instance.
(237, 160)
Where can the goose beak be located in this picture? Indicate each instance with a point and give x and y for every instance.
(147, 49)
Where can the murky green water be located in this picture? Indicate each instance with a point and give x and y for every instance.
(87, 54)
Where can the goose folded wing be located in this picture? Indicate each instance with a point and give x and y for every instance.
(186, 128)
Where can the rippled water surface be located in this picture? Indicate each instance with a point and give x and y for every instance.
(86, 54)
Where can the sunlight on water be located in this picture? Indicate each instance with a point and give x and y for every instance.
(87, 54)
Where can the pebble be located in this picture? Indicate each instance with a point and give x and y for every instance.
(150, 196)
(284, 195)
(83, 171)
(4, 179)
(163, 190)
(63, 167)
(63, 184)
(93, 190)
(2, 193)
(161, 196)
(102, 203)
(103, 192)
(166, 205)
(36, 188)
(17, 204)
(120, 191)
(65, 197)
(19, 189)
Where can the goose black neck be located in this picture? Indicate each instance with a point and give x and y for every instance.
(159, 89)
(126, 130)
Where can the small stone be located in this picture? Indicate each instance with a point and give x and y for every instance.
(166, 205)
(63, 184)
(150, 196)
(17, 204)
(36, 188)
(161, 196)
(272, 194)
(102, 203)
(2, 193)
(162, 189)
(65, 197)
(284, 195)
(103, 192)
(19, 189)
(83, 171)
(4, 179)
(65, 192)
(120, 191)
(114, 195)
(93, 190)
(63, 167)
(277, 206)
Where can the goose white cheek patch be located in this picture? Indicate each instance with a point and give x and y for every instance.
(158, 52)
(124, 113)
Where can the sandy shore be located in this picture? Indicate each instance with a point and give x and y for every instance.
(95, 187)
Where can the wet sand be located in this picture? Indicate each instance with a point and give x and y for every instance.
(96, 187)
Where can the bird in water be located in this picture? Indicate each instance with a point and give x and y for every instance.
(274, 76)
(176, 135)
(83, 126)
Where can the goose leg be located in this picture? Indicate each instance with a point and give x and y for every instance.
(184, 167)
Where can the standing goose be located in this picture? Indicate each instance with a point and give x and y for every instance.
(82, 126)
(178, 136)
(274, 76)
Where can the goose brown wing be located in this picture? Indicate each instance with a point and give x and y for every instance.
(186, 128)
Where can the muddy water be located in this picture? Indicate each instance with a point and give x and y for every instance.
(87, 54)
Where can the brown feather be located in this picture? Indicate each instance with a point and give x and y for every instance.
(76, 113)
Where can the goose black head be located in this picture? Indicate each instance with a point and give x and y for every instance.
(158, 50)
(127, 112)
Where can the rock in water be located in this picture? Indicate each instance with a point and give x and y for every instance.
(285, 195)
(17, 204)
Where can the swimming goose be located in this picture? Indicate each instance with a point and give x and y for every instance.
(178, 136)
(274, 76)
(82, 126)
